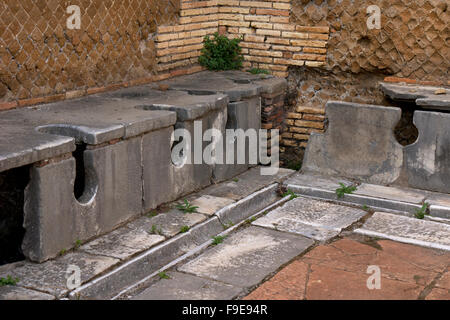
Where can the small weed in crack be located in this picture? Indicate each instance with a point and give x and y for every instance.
(155, 230)
(291, 194)
(186, 207)
(184, 229)
(252, 219)
(152, 214)
(8, 281)
(163, 275)
(228, 225)
(218, 240)
(343, 190)
(258, 71)
(423, 211)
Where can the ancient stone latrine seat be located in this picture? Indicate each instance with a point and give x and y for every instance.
(359, 143)
(95, 162)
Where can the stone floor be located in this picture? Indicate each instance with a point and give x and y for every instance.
(248, 242)
(311, 249)
(339, 271)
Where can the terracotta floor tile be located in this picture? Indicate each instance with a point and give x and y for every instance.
(331, 284)
(438, 294)
(288, 284)
(436, 260)
(339, 271)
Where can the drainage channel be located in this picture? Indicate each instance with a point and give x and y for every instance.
(133, 273)
(131, 290)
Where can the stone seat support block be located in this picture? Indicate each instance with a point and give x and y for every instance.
(359, 143)
(166, 181)
(54, 219)
(244, 91)
(427, 161)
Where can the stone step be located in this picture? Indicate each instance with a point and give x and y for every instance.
(380, 198)
(408, 230)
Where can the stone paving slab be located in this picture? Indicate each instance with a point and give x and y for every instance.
(122, 243)
(408, 230)
(209, 205)
(245, 184)
(247, 257)
(51, 276)
(168, 223)
(149, 261)
(182, 286)
(18, 293)
(391, 193)
(132, 271)
(339, 271)
(315, 219)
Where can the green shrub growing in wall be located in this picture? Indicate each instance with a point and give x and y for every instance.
(221, 53)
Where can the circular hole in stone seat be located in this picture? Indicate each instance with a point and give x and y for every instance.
(201, 93)
(147, 107)
(242, 81)
(406, 132)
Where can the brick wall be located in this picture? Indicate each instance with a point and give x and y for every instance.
(270, 41)
(413, 41)
(129, 42)
(40, 56)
